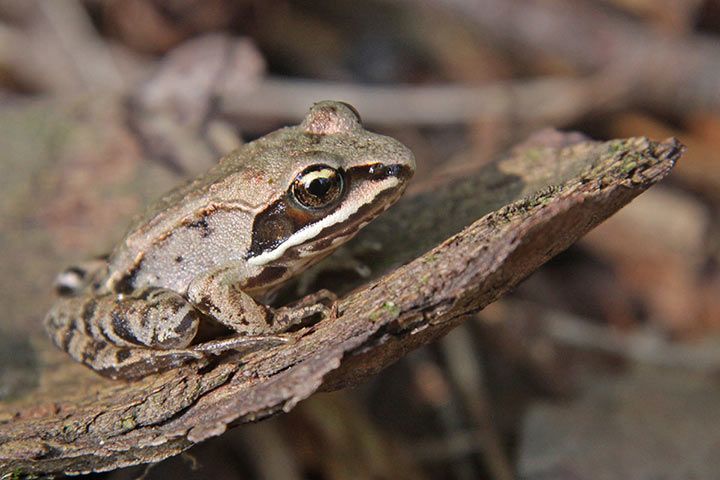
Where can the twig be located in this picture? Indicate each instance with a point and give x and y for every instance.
(448, 412)
(447, 449)
(59, 51)
(680, 73)
(89, 55)
(36, 64)
(533, 103)
(467, 374)
(644, 346)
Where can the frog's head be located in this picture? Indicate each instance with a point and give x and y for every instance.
(333, 178)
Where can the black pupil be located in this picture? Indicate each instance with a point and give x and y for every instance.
(319, 187)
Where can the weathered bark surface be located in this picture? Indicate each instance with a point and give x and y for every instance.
(519, 212)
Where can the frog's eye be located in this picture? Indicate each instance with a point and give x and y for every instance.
(317, 186)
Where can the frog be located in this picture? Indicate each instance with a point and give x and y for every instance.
(207, 255)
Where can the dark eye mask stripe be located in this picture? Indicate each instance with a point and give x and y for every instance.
(285, 217)
(278, 222)
(364, 214)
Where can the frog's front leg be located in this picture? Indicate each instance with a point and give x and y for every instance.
(126, 336)
(217, 295)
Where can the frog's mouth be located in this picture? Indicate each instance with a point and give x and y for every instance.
(283, 233)
(332, 237)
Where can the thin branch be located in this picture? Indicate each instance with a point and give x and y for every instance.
(467, 374)
(89, 55)
(554, 101)
(645, 346)
(662, 70)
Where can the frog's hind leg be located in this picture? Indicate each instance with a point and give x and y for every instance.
(125, 336)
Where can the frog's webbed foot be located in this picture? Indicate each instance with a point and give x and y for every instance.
(322, 304)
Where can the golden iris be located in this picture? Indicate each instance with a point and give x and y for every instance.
(317, 186)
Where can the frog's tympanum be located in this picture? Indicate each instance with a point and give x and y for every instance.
(210, 251)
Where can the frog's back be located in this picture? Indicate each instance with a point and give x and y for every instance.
(209, 222)
(242, 182)
(237, 178)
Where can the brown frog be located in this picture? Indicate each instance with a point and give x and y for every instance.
(210, 250)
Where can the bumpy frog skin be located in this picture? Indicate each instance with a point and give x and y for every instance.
(207, 252)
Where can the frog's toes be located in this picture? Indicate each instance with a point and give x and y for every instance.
(76, 278)
(241, 343)
(322, 304)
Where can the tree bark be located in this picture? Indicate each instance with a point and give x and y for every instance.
(461, 244)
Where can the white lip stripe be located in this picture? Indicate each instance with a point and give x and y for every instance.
(313, 230)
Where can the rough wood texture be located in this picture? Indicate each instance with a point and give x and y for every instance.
(531, 205)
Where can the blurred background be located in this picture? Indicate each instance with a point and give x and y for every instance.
(603, 364)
